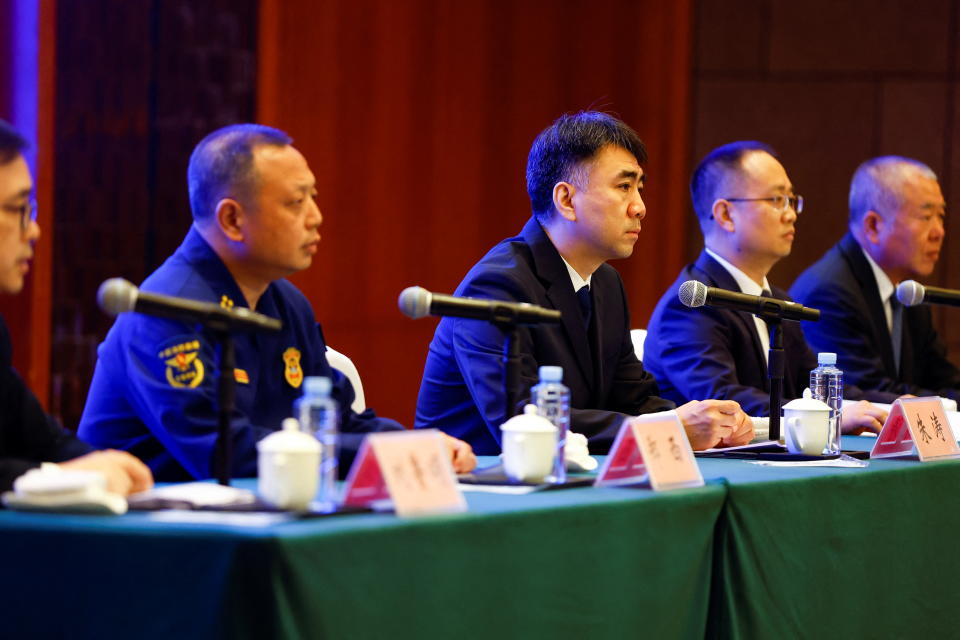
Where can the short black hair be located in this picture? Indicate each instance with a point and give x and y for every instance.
(571, 140)
(222, 164)
(12, 143)
(709, 176)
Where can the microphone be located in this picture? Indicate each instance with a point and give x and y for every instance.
(417, 302)
(911, 293)
(696, 294)
(117, 295)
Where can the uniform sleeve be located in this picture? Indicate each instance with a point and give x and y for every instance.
(171, 377)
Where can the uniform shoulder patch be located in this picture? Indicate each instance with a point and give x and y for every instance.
(184, 367)
(291, 367)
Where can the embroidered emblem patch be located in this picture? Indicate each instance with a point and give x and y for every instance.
(184, 367)
(291, 367)
(241, 376)
(226, 302)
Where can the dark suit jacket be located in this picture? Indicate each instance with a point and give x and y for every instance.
(28, 436)
(463, 392)
(853, 324)
(707, 352)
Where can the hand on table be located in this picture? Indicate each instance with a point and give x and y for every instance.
(125, 473)
(715, 423)
(461, 454)
(860, 417)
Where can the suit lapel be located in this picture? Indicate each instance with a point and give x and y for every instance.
(719, 277)
(553, 272)
(875, 309)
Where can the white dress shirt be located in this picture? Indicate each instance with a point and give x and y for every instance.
(885, 287)
(747, 285)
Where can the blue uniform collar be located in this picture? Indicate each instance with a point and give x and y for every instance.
(208, 265)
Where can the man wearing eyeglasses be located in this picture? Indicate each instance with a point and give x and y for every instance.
(28, 436)
(747, 211)
(896, 231)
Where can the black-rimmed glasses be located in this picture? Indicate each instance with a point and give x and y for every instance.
(27, 212)
(780, 202)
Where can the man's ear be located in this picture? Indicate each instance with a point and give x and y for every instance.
(723, 216)
(231, 219)
(563, 193)
(871, 225)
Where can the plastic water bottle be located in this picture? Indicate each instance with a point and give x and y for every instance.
(826, 384)
(552, 399)
(318, 414)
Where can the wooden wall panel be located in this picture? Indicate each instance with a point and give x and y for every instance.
(829, 85)
(417, 118)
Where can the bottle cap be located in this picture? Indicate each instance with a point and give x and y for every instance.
(826, 357)
(316, 386)
(551, 374)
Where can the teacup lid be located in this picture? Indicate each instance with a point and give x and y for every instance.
(807, 403)
(528, 421)
(289, 439)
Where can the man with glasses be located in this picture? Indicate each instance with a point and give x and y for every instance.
(896, 231)
(28, 436)
(747, 210)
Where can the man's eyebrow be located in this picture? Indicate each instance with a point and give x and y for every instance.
(630, 173)
(19, 195)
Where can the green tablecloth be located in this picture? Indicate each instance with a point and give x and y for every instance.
(573, 563)
(837, 553)
(760, 552)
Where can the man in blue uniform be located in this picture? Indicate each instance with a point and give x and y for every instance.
(747, 211)
(585, 181)
(29, 436)
(154, 389)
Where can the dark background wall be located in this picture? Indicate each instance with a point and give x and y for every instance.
(830, 84)
(137, 85)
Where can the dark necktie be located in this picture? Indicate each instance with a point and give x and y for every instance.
(896, 331)
(586, 304)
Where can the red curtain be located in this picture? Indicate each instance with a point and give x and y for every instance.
(416, 118)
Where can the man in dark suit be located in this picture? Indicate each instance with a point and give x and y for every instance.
(896, 232)
(747, 209)
(29, 436)
(585, 182)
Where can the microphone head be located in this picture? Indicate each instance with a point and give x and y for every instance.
(910, 293)
(414, 302)
(117, 295)
(693, 293)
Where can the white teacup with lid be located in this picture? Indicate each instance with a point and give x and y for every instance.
(806, 423)
(288, 467)
(529, 446)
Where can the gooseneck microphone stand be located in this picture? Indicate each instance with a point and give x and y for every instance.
(511, 365)
(226, 396)
(775, 366)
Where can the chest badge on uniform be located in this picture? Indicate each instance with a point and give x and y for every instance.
(184, 367)
(291, 367)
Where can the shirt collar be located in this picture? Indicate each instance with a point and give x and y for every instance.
(575, 278)
(884, 285)
(745, 282)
